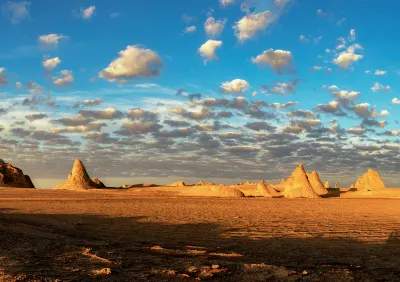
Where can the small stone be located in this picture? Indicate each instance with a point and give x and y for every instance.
(304, 272)
(215, 266)
(192, 269)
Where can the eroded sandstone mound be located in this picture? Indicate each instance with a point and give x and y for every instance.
(79, 179)
(177, 184)
(98, 182)
(266, 190)
(316, 183)
(327, 185)
(13, 176)
(370, 181)
(201, 183)
(298, 185)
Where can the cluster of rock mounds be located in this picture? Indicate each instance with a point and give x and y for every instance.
(370, 181)
(12, 176)
(299, 185)
(79, 179)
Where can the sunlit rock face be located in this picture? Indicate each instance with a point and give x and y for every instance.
(370, 181)
(13, 177)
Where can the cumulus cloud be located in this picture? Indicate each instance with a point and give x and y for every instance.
(51, 64)
(301, 113)
(142, 115)
(98, 137)
(236, 86)
(331, 107)
(19, 11)
(34, 88)
(214, 28)
(51, 40)
(190, 29)
(372, 123)
(380, 72)
(18, 85)
(247, 27)
(88, 12)
(66, 78)
(109, 113)
(33, 117)
(278, 60)
(73, 121)
(377, 87)
(203, 113)
(321, 13)
(283, 106)
(356, 131)
(303, 39)
(3, 77)
(292, 129)
(363, 110)
(352, 34)
(91, 103)
(225, 3)
(284, 88)
(136, 128)
(176, 123)
(396, 101)
(207, 50)
(94, 126)
(333, 88)
(133, 62)
(384, 113)
(260, 125)
(348, 57)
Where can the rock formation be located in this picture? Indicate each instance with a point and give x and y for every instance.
(327, 185)
(177, 184)
(228, 191)
(352, 186)
(337, 185)
(316, 183)
(13, 177)
(201, 183)
(298, 185)
(98, 182)
(370, 181)
(79, 179)
(266, 190)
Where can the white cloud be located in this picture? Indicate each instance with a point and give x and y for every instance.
(247, 27)
(18, 85)
(34, 88)
(321, 13)
(384, 113)
(190, 29)
(114, 15)
(377, 86)
(363, 110)
(367, 71)
(276, 59)
(133, 62)
(88, 12)
(213, 27)
(51, 40)
(356, 131)
(303, 39)
(346, 58)
(236, 86)
(66, 78)
(51, 64)
(380, 72)
(333, 88)
(352, 34)
(225, 3)
(396, 101)
(3, 77)
(207, 50)
(254, 93)
(19, 11)
(316, 68)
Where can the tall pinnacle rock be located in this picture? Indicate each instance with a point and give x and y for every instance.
(298, 185)
(79, 179)
(370, 181)
(316, 183)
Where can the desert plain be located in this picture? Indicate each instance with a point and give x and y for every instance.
(297, 230)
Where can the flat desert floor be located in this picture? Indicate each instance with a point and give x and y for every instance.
(155, 236)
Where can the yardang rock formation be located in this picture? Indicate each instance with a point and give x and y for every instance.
(13, 177)
(316, 183)
(79, 179)
(298, 185)
(370, 181)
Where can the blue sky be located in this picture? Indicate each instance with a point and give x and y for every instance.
(326, 72)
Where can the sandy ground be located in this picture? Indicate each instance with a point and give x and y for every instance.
(150, 235)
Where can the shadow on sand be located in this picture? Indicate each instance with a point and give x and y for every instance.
(79, 247)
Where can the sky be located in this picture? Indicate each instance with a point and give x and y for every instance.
(217, 90)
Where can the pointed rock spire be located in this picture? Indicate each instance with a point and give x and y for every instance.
(327, 185)
(298, 185)
(371, 180)
(316, 183)
(79, 179)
